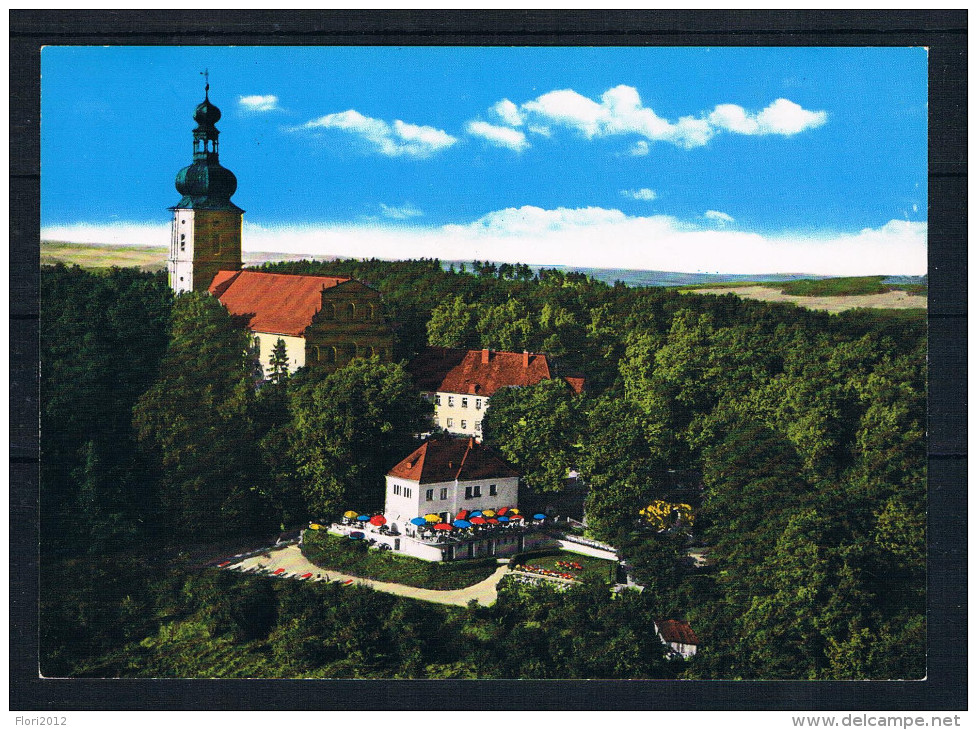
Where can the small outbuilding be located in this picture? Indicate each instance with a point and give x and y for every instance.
(678, 636)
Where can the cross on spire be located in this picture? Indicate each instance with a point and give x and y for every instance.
(206, 74)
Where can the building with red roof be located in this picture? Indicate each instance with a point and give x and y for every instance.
(445, 476)
(461, 382)
(678, 636)
(324, 321)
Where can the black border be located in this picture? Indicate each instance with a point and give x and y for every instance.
(944, 32)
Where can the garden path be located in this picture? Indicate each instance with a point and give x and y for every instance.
(294, 563)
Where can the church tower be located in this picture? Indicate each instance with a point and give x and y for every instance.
(206, 231)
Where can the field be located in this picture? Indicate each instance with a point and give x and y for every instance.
(895, 299)
(329, 551)
(147, 258)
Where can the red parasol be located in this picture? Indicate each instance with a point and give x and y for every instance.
(442, 526)
(502, 511)
(493, 521)
(463, 515)
(378, 520)
(515, 517)
(478, 520)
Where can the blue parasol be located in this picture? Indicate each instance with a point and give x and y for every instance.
(539, 516)
(364, 518)
(418, 521)
(462, 524)
(503, 518)
(476, 513)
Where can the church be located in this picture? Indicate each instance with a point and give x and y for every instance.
(323, 321)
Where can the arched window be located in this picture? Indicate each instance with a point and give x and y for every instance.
(317, 354)
(329, 311)
(371, 312)
(352, 311)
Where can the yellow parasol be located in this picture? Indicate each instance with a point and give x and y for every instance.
(432, 518)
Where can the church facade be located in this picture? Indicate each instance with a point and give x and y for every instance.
(323, 321)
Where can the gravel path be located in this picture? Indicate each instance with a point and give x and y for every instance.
(890, 300)
(294, 563)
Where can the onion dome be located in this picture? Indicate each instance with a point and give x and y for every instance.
(205, 184)
(206, 113)
(206, 180)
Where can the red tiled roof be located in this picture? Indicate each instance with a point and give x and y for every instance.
(575, 383)
(476, 372)
(444, 460)
(678, 632)
(280, 303)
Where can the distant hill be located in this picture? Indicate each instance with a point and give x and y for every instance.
(147, 258)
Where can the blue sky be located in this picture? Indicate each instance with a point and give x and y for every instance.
(685, 159)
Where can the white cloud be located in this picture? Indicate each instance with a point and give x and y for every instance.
(394, 140)
(400, 212)
(640, 148)
(258, 103)
(508, 113)
(582, 237)
(640, 194)
(540, 130)
(499, 136)
(717, 216)
(621, 112)
(781, 117)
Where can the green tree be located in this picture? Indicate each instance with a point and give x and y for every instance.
(537, 430)
(278, 363)
(196, 421)
(452, 324)
(506, 327)
(348, 429)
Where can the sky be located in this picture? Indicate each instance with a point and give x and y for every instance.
(714, 160)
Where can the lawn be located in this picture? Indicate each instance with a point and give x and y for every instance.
(603, 570)
(352, 557)
(837, 286)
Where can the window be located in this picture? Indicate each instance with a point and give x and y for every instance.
(397, 489)
(464, 424)
(476, 491)
(451, 422)
(478, 426)
(468, 492)
(429, 495)
(444, 492)
(464, 403)
(407, 491)
(451, 400)
(478, 403)
(493, 490)
(437, 400)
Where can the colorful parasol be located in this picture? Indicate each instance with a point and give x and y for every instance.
(442, 526)
(463, 524)
(418, 521)
(488, 513)
(350, 514)
(432, 518)
(478, 520)
(378, 520)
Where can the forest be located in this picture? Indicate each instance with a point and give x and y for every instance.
(796, 438)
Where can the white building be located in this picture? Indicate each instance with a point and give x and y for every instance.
(461, 382)
(444, 477)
